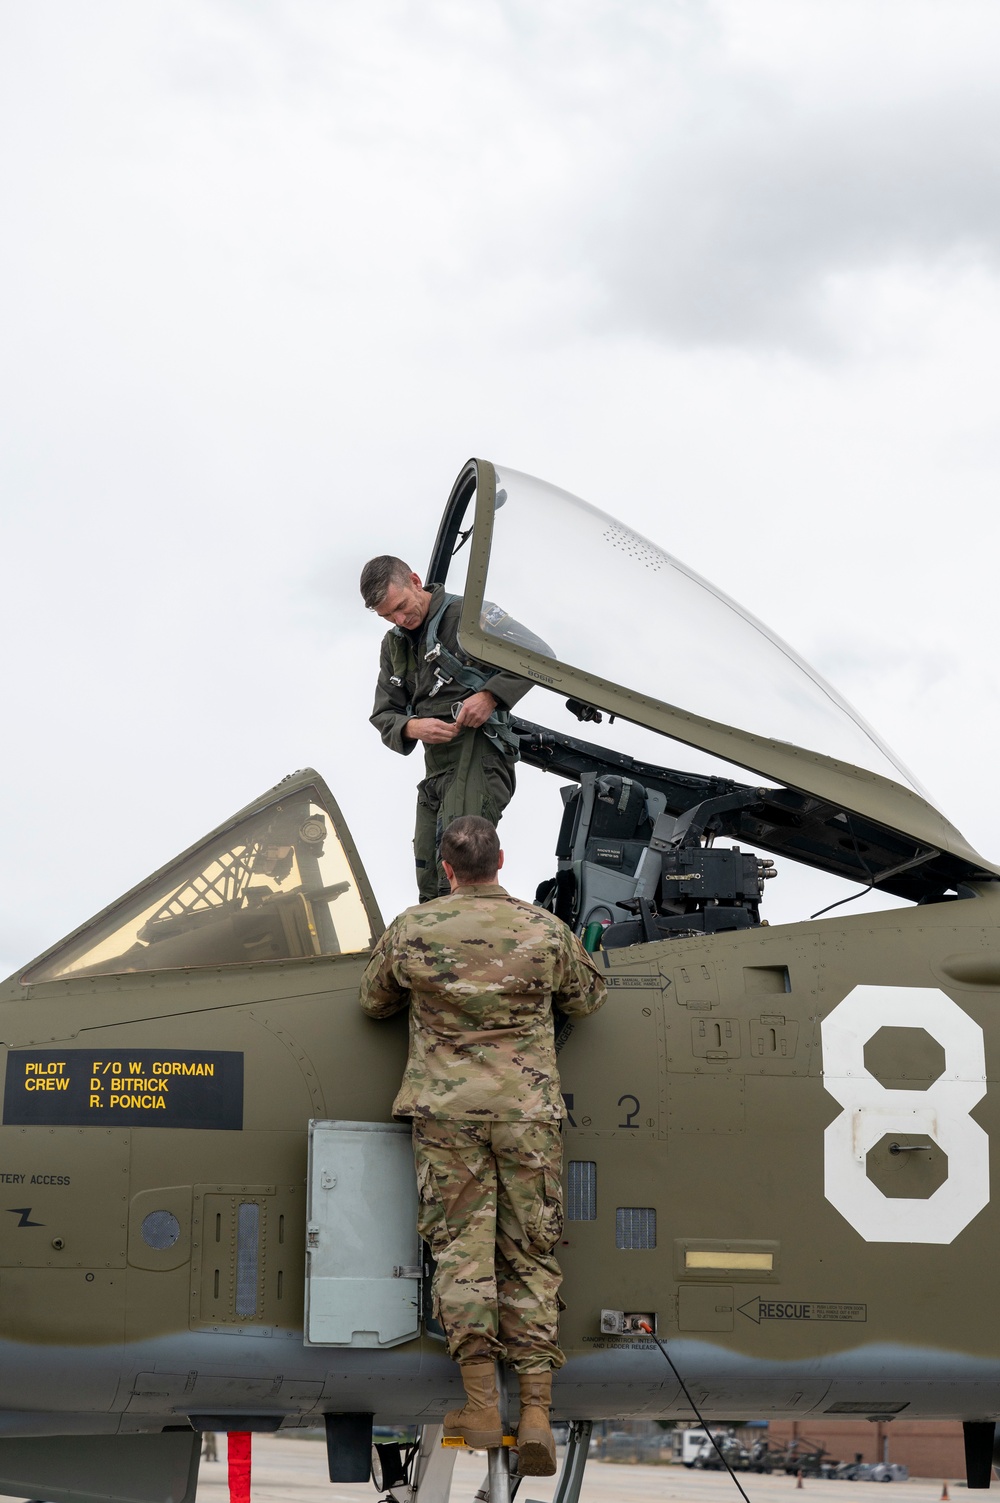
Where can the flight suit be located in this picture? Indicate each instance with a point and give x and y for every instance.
(474, 774)
(480, 971)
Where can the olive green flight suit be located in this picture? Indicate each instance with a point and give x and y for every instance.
(474, 774)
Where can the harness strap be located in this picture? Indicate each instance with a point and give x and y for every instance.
(451, 669)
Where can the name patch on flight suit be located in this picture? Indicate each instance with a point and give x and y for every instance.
(198, 1088)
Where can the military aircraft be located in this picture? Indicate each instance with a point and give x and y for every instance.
(777, 1156)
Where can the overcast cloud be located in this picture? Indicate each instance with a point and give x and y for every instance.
(271, 271)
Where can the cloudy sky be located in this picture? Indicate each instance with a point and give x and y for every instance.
(271, 270)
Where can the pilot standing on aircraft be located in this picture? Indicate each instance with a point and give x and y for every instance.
(429, 691)
(480, 971)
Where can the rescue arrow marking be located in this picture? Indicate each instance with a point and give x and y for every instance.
(810, 1309)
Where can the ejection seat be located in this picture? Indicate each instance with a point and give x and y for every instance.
(620, 853)
(607, 823)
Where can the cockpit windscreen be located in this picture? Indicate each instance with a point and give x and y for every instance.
(278, 885)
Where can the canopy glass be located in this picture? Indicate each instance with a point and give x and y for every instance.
(615, 605)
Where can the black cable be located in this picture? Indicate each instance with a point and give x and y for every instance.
(841, 901)
(851, 896)
(644, 1326)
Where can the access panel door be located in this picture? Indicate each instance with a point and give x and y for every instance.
(362, 1250)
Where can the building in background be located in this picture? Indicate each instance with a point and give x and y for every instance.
(928, 1448)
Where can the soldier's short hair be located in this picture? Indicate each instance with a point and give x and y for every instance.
(471, 846)
(378, 574)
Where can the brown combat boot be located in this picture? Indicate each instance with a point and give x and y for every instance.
(478, 1421)
(536, 1449)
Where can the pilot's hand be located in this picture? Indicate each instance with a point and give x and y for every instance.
(476, 710)
(432, 732)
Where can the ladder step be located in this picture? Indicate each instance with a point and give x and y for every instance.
(456, 1440)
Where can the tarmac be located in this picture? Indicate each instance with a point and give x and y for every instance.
(294, 1471)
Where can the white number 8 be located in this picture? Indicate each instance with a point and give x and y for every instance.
(871, 1111)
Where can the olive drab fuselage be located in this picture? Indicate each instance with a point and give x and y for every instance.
(777, 1138)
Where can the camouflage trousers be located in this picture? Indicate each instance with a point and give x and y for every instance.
(491, 1212)
(472, 775)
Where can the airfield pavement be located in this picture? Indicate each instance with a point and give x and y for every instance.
(294, 1471)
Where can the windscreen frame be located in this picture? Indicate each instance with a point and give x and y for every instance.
(457, 505)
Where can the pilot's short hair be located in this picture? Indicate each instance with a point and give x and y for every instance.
(378, 574)
(471, 846)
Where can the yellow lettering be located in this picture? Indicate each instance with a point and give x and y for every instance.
(95, 1082)
(31, 1067)
(95, 1100)
(61, 1085)
(116, 1068)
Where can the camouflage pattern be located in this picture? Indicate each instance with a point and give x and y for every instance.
(471, 775)
(491, 1212)
(480, 971)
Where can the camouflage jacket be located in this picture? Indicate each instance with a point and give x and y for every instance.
(480, 971)
(406, 650)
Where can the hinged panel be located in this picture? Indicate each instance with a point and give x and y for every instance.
(231, 1236)
(773, 1036)
(696, 986)
(362, 1250)
(67, 1198)
(705, 1307)
(715, 1038)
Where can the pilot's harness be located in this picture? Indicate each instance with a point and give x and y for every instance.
(448, 670)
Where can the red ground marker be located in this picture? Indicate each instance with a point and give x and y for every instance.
(239, 1466)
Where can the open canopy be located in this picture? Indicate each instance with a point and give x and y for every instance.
(563, 594)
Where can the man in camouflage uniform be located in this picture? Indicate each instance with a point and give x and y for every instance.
(457, 709)
(479, 971)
